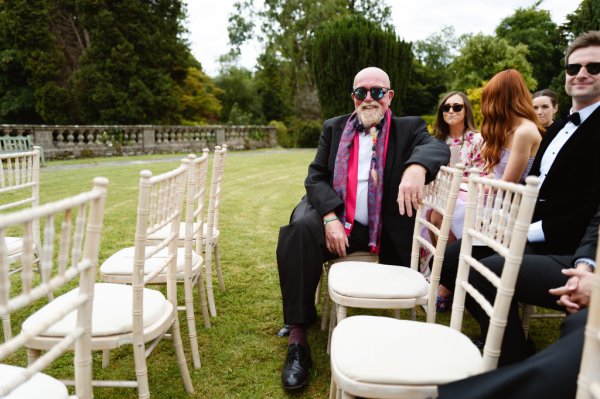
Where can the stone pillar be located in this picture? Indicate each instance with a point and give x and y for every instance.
(148, 139)
(42, 135)
(220, 139)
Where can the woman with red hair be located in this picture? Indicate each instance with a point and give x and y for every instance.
(511, 129)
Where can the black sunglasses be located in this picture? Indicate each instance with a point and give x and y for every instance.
(455, 107)
(593, 68)
(377, 93)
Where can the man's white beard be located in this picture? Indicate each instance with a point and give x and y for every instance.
(370, 117)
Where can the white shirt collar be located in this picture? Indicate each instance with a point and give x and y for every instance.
(587, 111)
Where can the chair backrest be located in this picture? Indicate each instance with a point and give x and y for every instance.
(160, 204)
(497, 215)
(71, 241)
(440, 195)
(195, 210)
(20, 182)
(588, 382)
(216, 185)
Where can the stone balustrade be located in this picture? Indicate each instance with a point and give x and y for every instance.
(73, 141)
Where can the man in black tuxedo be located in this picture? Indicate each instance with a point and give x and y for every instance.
(569, 169)
(366, 178)
(551, 373)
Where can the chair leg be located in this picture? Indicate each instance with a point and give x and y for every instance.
(332, 389)
(178, 345)
(325, 316)
(203, 302)
(105, 358)
(33, 355)
(217, 252)
(141, 370)
(209, 285)
(191, 320)
(528, 310)
(318, 291)
(6, 328)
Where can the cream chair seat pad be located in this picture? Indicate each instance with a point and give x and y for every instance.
(121, 262)
(376, 280)
(14, 245)
(112, 313)
(163, 232)
(383, 350)
(37, 387)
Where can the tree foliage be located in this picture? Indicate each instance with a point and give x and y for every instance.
(96, 61)
(483, 56)
(586, 17)
(344, 47)
(534, 27)
(239, 94)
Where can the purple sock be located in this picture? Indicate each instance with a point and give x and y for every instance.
(298, 335)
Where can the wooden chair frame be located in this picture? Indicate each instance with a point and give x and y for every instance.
(159, 204)
(498, 215)
(20, 173)
(439, 195)
(82, 240)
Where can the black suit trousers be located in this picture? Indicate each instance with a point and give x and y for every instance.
(549, 374)
(301, 252)
(537, 275)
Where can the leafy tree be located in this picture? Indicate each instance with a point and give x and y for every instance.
(483, 56)
(535, 28)
(238, 90)
(273, 87)
(135, 61)
(286, 28)
(344, 47)
(586, 17)
(430, 70)
(198, 99)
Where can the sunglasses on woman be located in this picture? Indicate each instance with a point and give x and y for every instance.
(593, 68)
(454, 107)
(377, 93)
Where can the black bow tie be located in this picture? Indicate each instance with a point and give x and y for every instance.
(361, 129)
(574, 118)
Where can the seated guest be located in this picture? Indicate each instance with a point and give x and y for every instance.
(366, 178)
(545, 105)
(551, 373)
(511, 135)
(454, 125)
(568, 167)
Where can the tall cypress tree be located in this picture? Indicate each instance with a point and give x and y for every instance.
(343, 47)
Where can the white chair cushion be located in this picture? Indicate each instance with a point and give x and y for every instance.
(112, 313)
(38, 386)
(375, 280)
(14, 245)
(121, 262)
(382, 350)
(164, 232)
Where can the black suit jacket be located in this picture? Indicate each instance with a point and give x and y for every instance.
(589, 243)
(409, 143)
(570, 193)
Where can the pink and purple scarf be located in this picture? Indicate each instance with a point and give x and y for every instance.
(345, 176)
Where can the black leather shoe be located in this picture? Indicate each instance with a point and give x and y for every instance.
(295, 370)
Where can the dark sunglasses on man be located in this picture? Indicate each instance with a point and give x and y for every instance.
(593, 68)
(455, 107)
(377, 93)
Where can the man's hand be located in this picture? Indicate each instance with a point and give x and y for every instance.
(410, 192)
(575, 294)
(335, 236)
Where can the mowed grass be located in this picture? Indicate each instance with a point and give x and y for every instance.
(241, 355)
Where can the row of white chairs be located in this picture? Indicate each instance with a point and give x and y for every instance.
(167, 251)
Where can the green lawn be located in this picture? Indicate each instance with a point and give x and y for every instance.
(241, 355)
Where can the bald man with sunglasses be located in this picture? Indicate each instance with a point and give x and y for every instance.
(362, 187)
